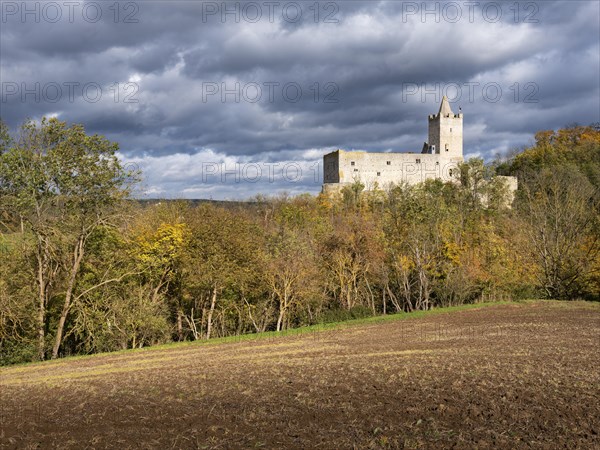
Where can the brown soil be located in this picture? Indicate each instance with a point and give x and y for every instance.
(521, 375)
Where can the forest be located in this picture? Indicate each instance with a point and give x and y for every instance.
(85, 267)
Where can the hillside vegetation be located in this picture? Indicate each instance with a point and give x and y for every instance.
(84, 269)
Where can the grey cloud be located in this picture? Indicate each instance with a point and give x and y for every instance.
(371, 55)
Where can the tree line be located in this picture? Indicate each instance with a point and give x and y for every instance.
(84, 268)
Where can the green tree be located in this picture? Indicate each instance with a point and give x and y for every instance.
(63, 184)
(5, 138)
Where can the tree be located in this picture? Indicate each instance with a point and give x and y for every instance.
(5, 138)
(353, 256)
(559, 209)
(290, 271)
(17, 300)
(222, 257)
(577, 146)
(160, 255)
(63, 184)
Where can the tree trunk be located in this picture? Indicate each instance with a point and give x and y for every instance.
(41, 306)
(371, 296)
(180, 325)
(192, 324)
(77, 257)
(211, 312)
(280, 318)
(283, 305)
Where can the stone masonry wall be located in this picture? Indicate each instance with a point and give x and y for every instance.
(382, 169)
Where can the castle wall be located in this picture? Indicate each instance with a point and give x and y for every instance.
(512, 184)
(331, 168)
(382, 169)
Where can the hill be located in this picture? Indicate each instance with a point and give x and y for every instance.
(491, 376)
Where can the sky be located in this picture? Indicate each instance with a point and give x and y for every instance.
(227, 100)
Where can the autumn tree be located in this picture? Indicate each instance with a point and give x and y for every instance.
(560, 213)
(291, 272)
(353, 257)
(576, 146)
(221, 258)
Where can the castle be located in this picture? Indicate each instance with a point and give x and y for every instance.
(439, 158)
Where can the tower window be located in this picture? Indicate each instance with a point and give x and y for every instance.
(378, 174)
(450, 130)
(418, 161)
(446, 147)
(352, 163)
(356, 170)
(389, 163)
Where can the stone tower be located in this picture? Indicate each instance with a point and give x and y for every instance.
(445, 132)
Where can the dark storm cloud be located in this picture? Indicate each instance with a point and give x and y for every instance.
(361, 67)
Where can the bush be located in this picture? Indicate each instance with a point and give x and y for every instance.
(341, 315)
(15, 352)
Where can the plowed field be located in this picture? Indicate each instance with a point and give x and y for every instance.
(522, 375)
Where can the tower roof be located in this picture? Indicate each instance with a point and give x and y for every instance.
(445, 109)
